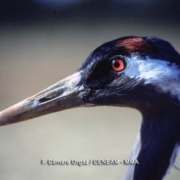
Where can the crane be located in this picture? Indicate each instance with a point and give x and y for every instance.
(136, 72)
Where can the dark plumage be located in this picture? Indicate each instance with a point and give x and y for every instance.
(137, 72)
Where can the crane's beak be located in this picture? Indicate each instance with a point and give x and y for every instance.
(65, 94)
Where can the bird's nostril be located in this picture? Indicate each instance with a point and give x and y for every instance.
(44, 99)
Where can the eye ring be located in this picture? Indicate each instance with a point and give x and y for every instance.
(118, 65)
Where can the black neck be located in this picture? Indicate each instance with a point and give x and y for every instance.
(160, 134)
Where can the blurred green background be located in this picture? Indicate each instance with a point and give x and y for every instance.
(43, 41)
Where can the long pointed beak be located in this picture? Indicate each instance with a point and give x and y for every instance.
(63, 95)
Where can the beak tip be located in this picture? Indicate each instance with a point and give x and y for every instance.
(3, 122)
(63, 95)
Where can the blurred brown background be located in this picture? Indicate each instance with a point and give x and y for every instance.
(42, 42)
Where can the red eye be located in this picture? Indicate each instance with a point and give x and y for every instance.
(118, 65)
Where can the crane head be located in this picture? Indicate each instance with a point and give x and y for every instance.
(130, 71)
